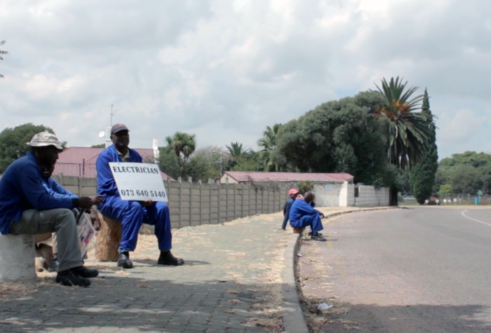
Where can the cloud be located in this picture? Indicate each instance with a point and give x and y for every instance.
(227, 69)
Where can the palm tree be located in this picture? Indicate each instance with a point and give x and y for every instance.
(236, 151)
(268, 144)
(408, 129)
(183, 145)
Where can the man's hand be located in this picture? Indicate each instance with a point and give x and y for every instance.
(85, 202)
(146, 203)
(321, 215)
(97, 199)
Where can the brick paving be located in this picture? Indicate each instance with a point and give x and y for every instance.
(231, 282)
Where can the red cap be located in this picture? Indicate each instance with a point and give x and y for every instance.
(292, 191)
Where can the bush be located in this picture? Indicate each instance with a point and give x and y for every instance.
(305, 186)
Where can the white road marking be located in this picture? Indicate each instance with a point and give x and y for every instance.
(470, 218)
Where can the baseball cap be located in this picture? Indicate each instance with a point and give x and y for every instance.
(45, 139)
(292, 191)
(118, 128)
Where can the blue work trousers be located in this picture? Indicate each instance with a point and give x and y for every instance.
(313, 220)
(132, 214)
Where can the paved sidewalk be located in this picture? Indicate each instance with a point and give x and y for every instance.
(231, 282)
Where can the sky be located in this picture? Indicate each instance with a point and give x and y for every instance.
(225, 69)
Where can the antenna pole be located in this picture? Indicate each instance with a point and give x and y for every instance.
(112, 115)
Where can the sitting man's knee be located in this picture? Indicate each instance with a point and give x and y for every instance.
(135, 208)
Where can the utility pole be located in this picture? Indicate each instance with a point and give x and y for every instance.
(112, 115)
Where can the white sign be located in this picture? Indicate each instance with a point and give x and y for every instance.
(138, 181)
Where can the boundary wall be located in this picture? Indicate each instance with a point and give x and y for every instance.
(193, 204)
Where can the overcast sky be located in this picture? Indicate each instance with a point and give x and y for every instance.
(225, 69)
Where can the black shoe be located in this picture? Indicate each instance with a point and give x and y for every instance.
(84, 272)
(68, 278)
(124, 260)
(166, 258)
(318, 237)
(318, 233)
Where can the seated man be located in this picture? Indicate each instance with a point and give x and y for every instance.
(56, 190)
(302, 214)
(292, 193)
(27, 208)
(131, 213)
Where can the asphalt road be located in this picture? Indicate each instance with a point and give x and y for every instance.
(413, 270)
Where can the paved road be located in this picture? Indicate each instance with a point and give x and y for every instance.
(412, 270)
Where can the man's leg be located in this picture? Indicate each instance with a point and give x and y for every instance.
(61, 221)
(316, 224)
(159, 216)
(131, 214)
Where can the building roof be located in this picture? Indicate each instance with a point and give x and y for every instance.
(244, 176)
(80, 161)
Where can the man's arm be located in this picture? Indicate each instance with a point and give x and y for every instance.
(36, 195)
(105, 177)
(57, 190)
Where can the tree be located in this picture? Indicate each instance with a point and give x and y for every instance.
(182, 145)
(205, 164)
(13, 142)
(268, 144)
(423, 174)
(407, 129)
(466, 179)
(337, 136)
(101, 145)
(2, 53)
(236, 150)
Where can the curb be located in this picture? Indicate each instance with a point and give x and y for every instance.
(293, 318)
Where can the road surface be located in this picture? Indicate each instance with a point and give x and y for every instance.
(412, 270)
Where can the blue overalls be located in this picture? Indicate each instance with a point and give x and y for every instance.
(131, 213)
(303, 214)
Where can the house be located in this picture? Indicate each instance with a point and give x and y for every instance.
(80, 161)
(283, 177)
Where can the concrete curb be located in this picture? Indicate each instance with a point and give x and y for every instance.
(293, 318)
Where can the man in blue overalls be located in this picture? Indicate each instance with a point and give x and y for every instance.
(302, 214)
(131, 213)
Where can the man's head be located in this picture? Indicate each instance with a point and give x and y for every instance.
(47, 170)
(293, 193)
(120, 136)
(309, 197)
(45, 146)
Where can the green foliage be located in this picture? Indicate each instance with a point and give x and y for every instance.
(423, 173)
(182, 145)
(267, 144)
(479, 166)
(201, 165)
(337, 136)
(236, 150)
(445, 190)
(13, 142)
(466, 179)
(2, 53)
(407, 129)
(102, 145)
(305, 186)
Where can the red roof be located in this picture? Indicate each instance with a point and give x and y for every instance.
(245, 176)
(80, 161)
